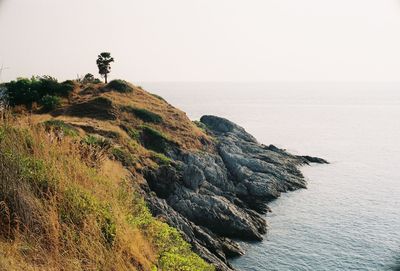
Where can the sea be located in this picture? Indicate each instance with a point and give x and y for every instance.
(349, 217)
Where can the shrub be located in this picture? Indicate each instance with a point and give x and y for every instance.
(176, 254)
(49, 85)
(24, 91)
(60, 125)
(50, 103)
(143, 114)
(66, 88)
(119, 86)
(89, 78)
(94, 150)
(3, 97)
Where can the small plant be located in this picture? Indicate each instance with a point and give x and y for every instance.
(97, 141)
(143, 114)
(119, 86)
(94, 150)
(90, 79)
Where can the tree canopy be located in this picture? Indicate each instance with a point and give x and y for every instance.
(103, 63)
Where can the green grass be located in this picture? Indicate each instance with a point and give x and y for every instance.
(160, 159)
(79, 203)
(96, 141)
(154, 140)
(143, 114)
(66, 128)
(132, 132)
(123, 156)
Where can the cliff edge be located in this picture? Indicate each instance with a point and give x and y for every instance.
(211, 179)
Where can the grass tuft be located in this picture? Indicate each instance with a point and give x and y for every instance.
(143, 114)
(119, 86)
(60, 125)
(154, 140)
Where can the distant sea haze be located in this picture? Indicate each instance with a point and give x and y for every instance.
(349, 217)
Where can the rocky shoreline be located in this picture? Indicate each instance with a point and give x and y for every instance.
(214, 198)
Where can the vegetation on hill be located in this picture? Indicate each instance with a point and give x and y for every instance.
(44, 90)
(103, 62)
(68, 198)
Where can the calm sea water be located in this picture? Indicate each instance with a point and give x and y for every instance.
(349, 217)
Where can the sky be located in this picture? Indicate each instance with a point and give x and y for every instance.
(207, 40)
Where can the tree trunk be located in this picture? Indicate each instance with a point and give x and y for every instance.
(105, 78)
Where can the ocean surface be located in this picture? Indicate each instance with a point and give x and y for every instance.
(349, 217)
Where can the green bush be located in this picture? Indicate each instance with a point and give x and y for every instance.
(50, 103)
(143, 114)
(24, 91)
(66, 88)
(90, 79)
(119, 86)
(176, 253)
(67, 129)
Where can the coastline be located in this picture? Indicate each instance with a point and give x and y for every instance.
(213, 197)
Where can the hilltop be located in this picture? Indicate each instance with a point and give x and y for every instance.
(112, 177)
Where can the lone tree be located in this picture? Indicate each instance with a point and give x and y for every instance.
(103, 63)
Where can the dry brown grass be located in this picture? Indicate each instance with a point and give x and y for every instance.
(59, 212)
(175, 122)
(33, 231)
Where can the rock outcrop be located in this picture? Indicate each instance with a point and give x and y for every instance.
(216, 197)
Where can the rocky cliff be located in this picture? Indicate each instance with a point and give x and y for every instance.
(210, 179)
(216, 197)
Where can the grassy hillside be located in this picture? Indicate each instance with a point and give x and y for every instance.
(68, 177)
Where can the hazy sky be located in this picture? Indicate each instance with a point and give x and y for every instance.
(204, 40)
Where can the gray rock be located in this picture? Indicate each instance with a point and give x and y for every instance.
(212, 197)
